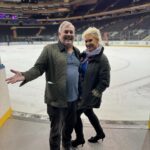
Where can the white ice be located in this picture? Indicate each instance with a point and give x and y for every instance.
(127, 98)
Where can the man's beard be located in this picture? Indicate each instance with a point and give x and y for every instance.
(68, 38)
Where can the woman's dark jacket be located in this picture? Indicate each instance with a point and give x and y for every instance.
(97, 77)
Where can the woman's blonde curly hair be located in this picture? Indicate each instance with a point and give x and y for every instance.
(93, 32)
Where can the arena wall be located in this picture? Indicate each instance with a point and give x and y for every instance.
(5, 108)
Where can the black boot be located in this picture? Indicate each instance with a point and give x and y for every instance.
(96, 138)
(77, 142)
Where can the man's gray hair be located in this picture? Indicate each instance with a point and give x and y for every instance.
(65, 23)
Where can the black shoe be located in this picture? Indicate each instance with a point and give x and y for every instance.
(77, 142)
(96, 138)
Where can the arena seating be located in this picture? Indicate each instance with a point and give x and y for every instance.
(128, 26)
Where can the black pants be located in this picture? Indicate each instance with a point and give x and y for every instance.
(62, 123)
(93, 120)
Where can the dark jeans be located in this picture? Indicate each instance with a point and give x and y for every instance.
(62, 123)
(93, 120)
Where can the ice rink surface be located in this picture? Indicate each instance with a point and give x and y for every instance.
(127, 98)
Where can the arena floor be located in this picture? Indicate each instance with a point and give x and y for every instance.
(22, 134)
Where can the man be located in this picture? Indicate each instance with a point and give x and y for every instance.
(60, 63)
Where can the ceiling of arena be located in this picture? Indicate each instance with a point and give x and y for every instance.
(55, 9)
(41, 6)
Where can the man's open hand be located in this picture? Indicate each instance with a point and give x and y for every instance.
(16, 78)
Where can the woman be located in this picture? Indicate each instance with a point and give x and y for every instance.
(94, 79)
